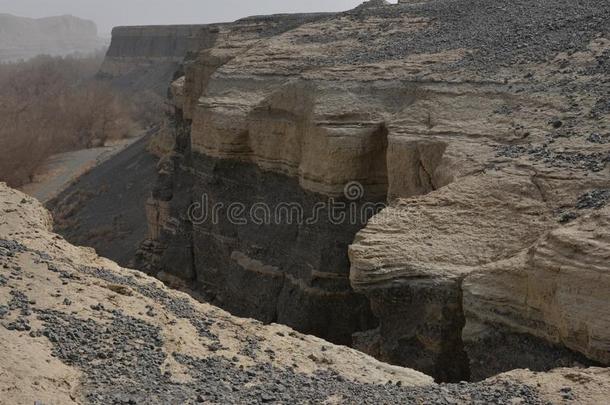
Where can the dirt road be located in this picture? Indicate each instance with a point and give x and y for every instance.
(62, 169)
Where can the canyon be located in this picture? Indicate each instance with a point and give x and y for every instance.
(476, 134)
(76, 328)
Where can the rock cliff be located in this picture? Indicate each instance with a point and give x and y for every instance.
(24, 38)
(76, 328)
(144, 58)
(292, 273)
(483, 128)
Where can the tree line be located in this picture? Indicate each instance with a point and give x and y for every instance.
(50, 105)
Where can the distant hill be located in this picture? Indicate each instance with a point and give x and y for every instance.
(24, 38)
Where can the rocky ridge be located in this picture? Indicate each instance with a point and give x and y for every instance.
(148, 57)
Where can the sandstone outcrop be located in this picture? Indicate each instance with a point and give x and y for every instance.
(482, 126)
(479, 254)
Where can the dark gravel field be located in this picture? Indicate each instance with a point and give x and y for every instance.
(105, 208)
(502, 32)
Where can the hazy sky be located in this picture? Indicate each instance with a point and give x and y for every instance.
(110, 13)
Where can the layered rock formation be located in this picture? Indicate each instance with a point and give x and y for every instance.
(77, 328)
(483, 125)
(146, 58)
(139, 49)
(293, 273)
(24, 38)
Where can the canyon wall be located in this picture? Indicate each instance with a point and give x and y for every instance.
(139, 47)
(144, 58)
(490, 160)
(274, 270)
(77, 328)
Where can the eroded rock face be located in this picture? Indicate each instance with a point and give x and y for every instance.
(283, 269)
(147, 57)
(490, 216)
(420, 325)
(277, 271)
(480, 144)
(484, 256)
(555, 291)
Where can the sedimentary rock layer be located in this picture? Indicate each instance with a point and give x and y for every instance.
(133, 47)
(157, 52)
(486, 147)
(290, 267)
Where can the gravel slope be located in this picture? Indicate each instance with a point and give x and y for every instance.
(104, 208)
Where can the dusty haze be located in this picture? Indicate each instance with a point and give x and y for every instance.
(110, 13)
